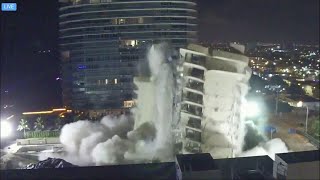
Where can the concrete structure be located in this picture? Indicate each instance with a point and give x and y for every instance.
(214, 84)
(38, 141)
(297, 165)
(197, 166)
(102, 41)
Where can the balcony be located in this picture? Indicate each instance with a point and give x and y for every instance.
(193, 147)
(194, 123)
(193, 135)
(195, 85)
(191, 109)
(194, 100)
(196, 59)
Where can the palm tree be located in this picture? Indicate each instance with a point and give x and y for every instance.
(58, 123)
(38, 124)
(23, 126)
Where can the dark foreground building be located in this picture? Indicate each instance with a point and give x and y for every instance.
(102, 41)
(296, 165)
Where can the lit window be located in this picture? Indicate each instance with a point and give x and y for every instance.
(65, 55)
(140, 20)
(121, 21)
(129, 43)
(115, 81)
(94, 1)
(128, 103)
(106, 81)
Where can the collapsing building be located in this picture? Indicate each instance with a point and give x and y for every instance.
(206, 89)
(213, 85)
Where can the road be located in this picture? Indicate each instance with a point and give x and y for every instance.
(295, 142)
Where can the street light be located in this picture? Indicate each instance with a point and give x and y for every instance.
(300, 104)
(6, 129)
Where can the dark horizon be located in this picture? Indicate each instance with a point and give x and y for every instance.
(263, 21)
(30, 75)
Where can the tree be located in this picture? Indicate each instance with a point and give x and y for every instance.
(23, 126)
(295, 90)
(257, 83)
(58, 123)
(316, 92)
(277, 80)
(38, 124)
(314, 127)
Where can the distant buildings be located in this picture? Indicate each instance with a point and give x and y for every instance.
(102, 42)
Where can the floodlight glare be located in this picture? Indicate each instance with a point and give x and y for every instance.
(6, 129)
(252, 109)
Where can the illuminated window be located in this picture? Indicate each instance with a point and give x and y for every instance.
(94, 1)
(128, 104)
(140, 21)
(76, 2)
(129, 43)
(115, 81)
(65, 55)
(106, 81)
(121, 21)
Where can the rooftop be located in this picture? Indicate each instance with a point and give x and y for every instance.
(196, 162)
(298, 157)
(133, 171)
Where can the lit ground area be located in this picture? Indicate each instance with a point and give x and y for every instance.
(295, 142)
(17, 156)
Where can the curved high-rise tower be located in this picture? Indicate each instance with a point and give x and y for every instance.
(101, 42)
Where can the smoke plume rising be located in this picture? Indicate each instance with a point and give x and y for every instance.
(114, 140)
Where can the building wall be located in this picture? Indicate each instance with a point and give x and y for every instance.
(102, 41)
(202, 175)
(305, 170)
(224, 79)
(280, 168)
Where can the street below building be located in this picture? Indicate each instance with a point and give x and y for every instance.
(283, 124)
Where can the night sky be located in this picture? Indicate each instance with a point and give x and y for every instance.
(30, 76)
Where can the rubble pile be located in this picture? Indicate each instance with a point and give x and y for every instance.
(50, 163)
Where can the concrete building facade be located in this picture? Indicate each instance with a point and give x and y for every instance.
(214, 84)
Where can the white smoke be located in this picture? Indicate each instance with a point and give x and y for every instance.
(162, 78)
(269, 148)
(113, 140)
(264, 146)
